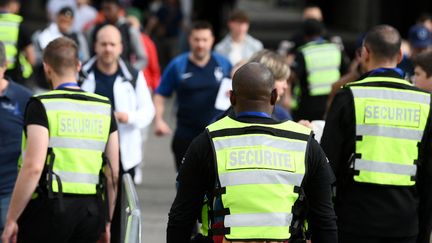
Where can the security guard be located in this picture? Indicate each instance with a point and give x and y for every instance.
(58, 196)
(378, 139)
(257, 173)
(318, 64)
(19, 48)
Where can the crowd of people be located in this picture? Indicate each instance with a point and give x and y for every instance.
(302, 143)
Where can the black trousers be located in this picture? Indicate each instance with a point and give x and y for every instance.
(345, 237)
(82, 220)
(179, 147)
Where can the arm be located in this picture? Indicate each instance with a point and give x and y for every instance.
(138, 49)
(338, 140)
(321, 216)
(144, 113)
(166, 87)
(194, 179)
(30, 55)
(425, 190)
(112, 176)
(161, 127)
(28, 177)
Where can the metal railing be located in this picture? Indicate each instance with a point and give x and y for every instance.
(130, 212)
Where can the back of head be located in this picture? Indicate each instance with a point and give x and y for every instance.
(312, 11)
(253, 81)
(273, 61)
(116, 2)
(312, 28)
(4, 3)
(239, 16)
(384, 42)
(61, 55)
(424, 60)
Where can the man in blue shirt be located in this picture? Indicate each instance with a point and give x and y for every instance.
(195, 77)
(13, 99)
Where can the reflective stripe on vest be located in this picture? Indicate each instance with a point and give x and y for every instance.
(79, 125)
(9, 31)
(258, 220)
(322, 62)
(259, 177)
(259, 173)
(390, 124)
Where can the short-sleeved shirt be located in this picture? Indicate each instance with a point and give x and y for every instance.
(196, 95)
(12, 105)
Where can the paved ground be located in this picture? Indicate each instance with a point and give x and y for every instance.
(158, 188)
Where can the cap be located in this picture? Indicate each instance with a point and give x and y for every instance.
(66, 11)
(419, 36)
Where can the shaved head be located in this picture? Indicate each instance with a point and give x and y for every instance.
(108, 46)
(384, 41)
(109, 30)
(253, 86)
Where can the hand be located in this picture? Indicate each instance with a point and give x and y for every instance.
(306, 123)
(105, 236)
(162, 128)
(10, 232)
(122, 117)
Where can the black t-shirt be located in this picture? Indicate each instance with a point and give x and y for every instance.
(105, 84)
(369, 209)
(35, 114)
(197, 177)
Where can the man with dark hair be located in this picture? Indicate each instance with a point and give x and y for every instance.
(13, 99)
(378, 138)
(318, 64)
(133, 50)
(70, 150)
(196, 77)
(423, 71)
(258, 174)
(19, 49)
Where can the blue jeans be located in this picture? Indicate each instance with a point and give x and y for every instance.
(4, 204)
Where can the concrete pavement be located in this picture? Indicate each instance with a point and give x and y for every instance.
(157, 191)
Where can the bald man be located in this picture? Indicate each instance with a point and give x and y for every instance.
(257, 173)
(107, 74)
(377, 137)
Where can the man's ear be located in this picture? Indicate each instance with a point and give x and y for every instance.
(46, 68)
(78, 66)
(400, 56)
(273, 97)
(233, 98)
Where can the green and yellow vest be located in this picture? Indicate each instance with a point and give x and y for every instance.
(260, 169)
(322, 63)
(9, 30)
(79, 126)
(390, 122)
